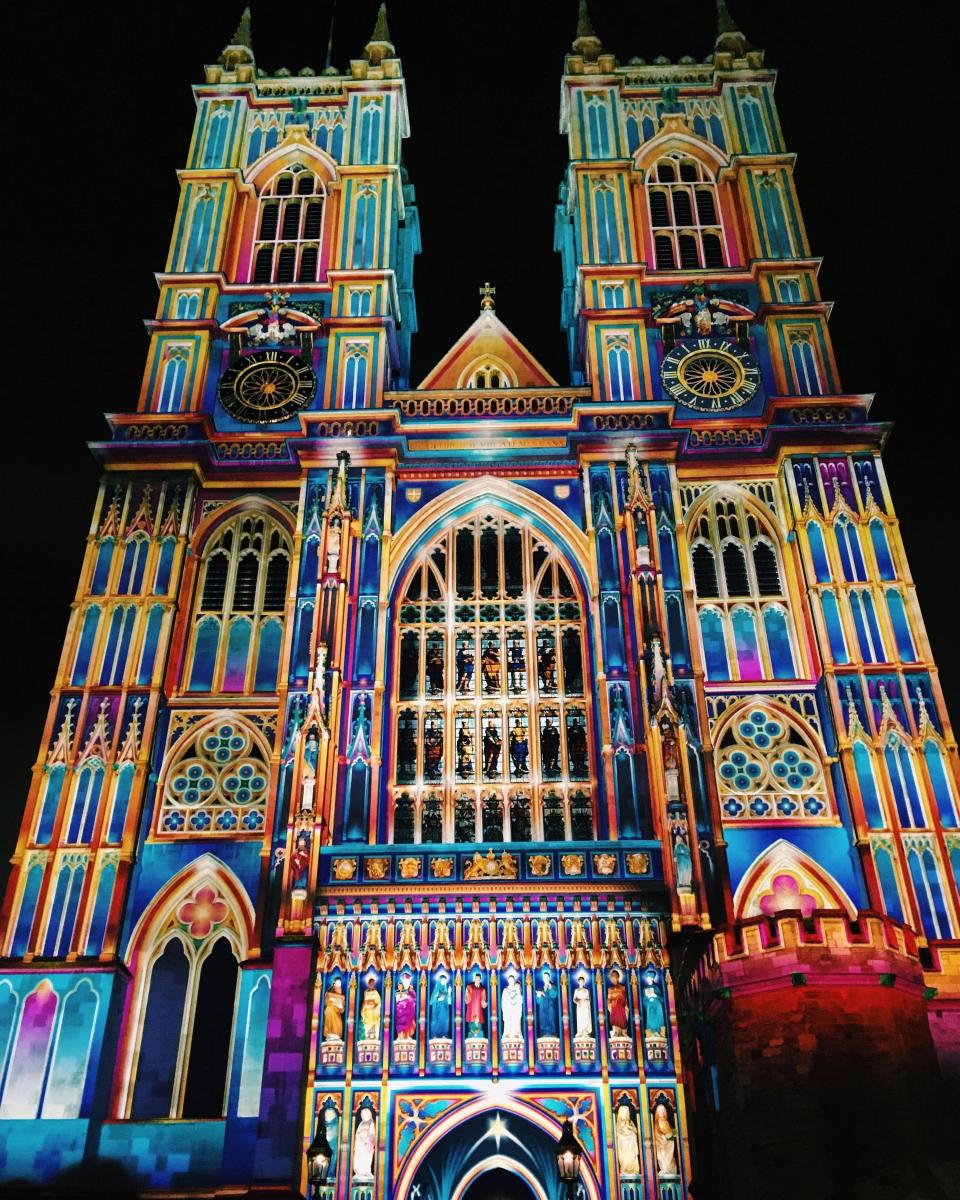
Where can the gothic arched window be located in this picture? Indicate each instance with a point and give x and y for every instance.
(238, 615)
(491, 735)
(744, 612)
(684, 214)
(769, 768)
(289, 225)
(187, 1012)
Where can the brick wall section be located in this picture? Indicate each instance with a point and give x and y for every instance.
(827, 1077)
(279, 1153)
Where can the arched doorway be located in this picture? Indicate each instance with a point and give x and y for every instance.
(498, 1184)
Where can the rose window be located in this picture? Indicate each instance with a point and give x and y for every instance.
(218, 784)
(768, 769)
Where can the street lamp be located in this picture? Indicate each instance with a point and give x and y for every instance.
(319, 1154)
(569, 1152)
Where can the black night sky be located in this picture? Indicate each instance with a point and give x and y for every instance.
(102, 115)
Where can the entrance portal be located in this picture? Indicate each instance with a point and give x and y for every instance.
(498, 1185)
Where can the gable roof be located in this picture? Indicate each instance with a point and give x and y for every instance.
(487, 339)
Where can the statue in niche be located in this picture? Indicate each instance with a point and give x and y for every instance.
(405, 1008)
(547, 996)
(490, 667)
(432, 750)
(465, 667)
(334, 1004)
(682, 858)
(406, 751)
(617, 1005)
(664, 1140)
(476, 1007)
(547, 667)
(300, 861)
(435, 669)
(550, 747)
(331, 1127)
(519, 748)
(333, 546)
(582, 1008)
(464, 751)
(364, 1145)
(577, 747)
(628, 1142)
(311, 751)
(440, 1004)
(654, 1016)
(370, 1012)
(511, 1008)
(491, 751)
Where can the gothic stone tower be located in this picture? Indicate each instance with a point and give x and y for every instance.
(430, 766)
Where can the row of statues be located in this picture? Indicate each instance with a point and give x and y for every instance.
(626, 1137)
(490, 759)
(545, 999)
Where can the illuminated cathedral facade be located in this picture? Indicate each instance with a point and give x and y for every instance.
(429, 765)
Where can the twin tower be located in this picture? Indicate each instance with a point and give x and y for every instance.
(431, 769)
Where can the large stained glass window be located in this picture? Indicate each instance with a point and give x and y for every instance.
(491, 736)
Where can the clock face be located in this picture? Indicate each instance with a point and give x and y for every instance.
(266, 387)
(710, 375)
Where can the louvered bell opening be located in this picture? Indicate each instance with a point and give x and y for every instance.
(285, 185)
(682, 208)
(269, 219)
(245, 587)
(215, 583)
(735, 571)
(275, 588)
(705, 572)
(263, 265)
(286, 260)
(659, 209)
(291, 221)
(305, 185)
(689, 252)
(313, 219)
(768, 573)
(308, 264)
(706, 209)
(664, 249)
(712, 250)
(689, 172)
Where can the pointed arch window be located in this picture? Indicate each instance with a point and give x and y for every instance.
(941, 781)
(62, 914)
(188, 1015)
(598, 125)
(883, 856)
(134, 565)
(289, 227)
(217, 131)
(746, 626)
(173, 377)
(770, 768)
(606, 231)
(241, 599)
(619, 372)
(684, 214)
(201, 229)
(491, 724)
(355, 375)
(901, 773)
(807, 376)
(371, 121)
(753, 123)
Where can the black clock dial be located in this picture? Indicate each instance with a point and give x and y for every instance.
(710, 375)
(267, 387)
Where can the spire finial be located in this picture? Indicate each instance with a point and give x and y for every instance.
(586, 41)
(730, 40)
(241, 35)
(238, 52)
(380, 46)
(487, 293)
